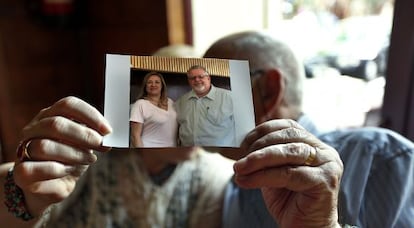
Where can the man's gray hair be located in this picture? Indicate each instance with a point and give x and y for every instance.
(194, 67)
(264, 52)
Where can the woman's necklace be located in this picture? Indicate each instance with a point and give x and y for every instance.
(156, 102)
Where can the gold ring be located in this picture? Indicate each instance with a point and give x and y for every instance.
(311, 157)
(22, 152)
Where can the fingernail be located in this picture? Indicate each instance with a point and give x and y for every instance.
(92, 158)
(240, 177)
(106, 149)
(239, 165)
(106, 129)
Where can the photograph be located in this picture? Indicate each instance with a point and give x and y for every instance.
(162, 102)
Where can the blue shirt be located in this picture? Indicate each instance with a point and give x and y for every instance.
(377, 186)
(207, 120)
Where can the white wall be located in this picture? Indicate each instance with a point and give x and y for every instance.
(213, 19)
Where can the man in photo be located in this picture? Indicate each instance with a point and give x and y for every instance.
(205, 114)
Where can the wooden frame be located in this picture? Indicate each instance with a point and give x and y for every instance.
(398, 106)
(7, 130)
(179, 21)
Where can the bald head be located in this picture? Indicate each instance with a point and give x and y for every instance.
(263, 52)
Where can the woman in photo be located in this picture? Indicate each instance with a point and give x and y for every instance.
(153, 117)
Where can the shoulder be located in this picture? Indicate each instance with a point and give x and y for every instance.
(140, 102)
(183, 97)
(215, 173)
(220, 90)
(220, 93)
(368, 134)
(215, 164)
(213, 157)
(374, 139)
(139, 106)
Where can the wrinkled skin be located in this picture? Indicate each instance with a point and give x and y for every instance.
(63, 137)
(296, 195)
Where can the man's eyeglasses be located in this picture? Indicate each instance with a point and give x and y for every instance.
(192, 78)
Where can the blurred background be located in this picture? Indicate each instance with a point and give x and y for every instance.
(358, 54)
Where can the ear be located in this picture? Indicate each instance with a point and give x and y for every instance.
(274, 89)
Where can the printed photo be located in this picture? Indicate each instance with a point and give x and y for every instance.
(160, 102)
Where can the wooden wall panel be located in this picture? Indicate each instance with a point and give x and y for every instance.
(41, 64)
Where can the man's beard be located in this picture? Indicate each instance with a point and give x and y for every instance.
(200, 88)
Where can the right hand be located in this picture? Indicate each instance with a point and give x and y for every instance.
(298, 192)
(63, 137)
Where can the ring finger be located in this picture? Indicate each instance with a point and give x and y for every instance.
(292, 154)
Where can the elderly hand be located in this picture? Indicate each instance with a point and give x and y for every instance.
(298, 174)
(61, 140)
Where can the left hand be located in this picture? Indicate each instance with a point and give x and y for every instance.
(296, 194)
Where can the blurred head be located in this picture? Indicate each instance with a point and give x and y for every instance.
(177, 50)
(276, 73)
(156, 159)
(154, 85)
(199, 80)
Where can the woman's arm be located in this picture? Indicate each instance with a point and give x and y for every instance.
(136, 132)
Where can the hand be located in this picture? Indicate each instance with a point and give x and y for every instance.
(296, 194)
(62, 139)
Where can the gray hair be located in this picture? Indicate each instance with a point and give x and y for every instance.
(177, 50)
(195, 67)
(264, 52)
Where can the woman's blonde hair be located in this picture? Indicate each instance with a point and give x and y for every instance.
(143, 94)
